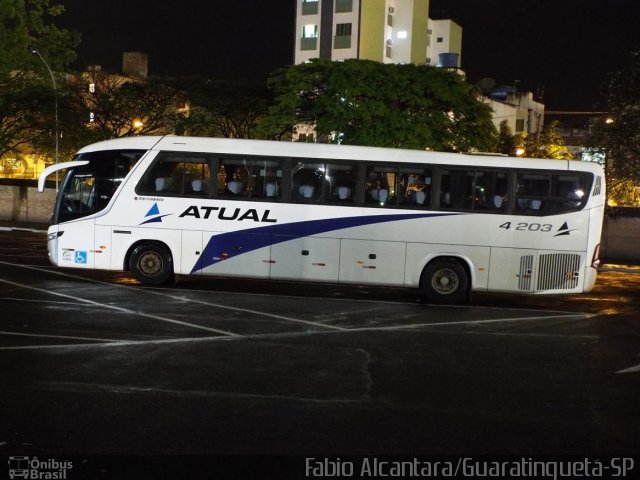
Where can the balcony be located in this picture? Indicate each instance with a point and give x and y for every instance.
(343, 6)
(309, 8)
(342, 41)
(309, 43)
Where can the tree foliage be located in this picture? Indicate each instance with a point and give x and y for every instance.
(22, 103)
(27, 97)
(27, 24)
(219, 108)
(550, 144)
(621, 138)
(120, 107)
(370, 103)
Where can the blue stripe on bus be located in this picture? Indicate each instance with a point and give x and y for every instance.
(232, 244)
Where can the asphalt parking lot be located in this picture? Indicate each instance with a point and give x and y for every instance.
(93, 363)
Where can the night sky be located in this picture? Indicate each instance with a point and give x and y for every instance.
(565, 47)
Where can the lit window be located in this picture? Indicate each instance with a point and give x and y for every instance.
(310, 31)
(402, 34)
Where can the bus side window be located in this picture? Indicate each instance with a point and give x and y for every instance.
(342, 182)
(415, 187)
(234, 178)
(532, 192)
(308, 182)
(382, 186)
(266, 177)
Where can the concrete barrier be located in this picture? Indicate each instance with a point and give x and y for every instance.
(20, 202)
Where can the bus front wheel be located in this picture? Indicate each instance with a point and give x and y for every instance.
(445, 281)
(151, 264)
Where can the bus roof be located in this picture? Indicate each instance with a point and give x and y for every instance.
(331, 152)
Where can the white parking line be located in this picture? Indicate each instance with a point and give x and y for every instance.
(184, 299)
(271, 336)
(119, 309)
(62, 337)
(630, 369)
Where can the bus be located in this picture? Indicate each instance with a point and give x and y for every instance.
(448, 224)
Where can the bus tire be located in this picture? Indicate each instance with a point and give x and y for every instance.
(445, 281)
(152, 264)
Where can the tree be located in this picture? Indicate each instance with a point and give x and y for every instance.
(620, 138)
(112, 106)
(26, 92)
(219, 108)
(507, 142)
(549, 145)
(22, 103)
(370, 103)
(26, 24)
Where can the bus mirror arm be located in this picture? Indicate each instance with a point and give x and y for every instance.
(54, 168)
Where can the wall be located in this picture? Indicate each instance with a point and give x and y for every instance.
(620, 238)
(20, 202)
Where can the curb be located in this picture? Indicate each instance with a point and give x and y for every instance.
(20, 229)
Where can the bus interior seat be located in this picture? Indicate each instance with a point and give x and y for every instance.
(306, 191)
(234, 187)
(344, 193)
(161, 184)
(271, 189)
(497, 201)
(196, 185)
(420, 197)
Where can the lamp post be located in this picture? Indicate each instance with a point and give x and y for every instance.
(55, 99)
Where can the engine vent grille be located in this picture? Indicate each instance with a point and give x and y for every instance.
(526, 271)
(559, 271)
(597, 190)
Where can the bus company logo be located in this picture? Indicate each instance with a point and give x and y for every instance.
(154, 216)
(33, 468)
(564, 230)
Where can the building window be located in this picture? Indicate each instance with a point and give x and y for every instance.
(343, 29)
(309, 7)
(309, 40)
(310, 31)
(343, 36)
(343, 6)
(439, 40)
(520, 125)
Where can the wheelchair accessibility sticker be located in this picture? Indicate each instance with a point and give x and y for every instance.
(80, 257)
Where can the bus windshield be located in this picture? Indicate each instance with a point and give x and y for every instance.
(88, 189)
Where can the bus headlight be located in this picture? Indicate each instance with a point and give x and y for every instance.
(54, 235)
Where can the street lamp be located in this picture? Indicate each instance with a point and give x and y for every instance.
(55, 99)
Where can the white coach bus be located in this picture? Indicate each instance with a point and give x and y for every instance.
(446, 223)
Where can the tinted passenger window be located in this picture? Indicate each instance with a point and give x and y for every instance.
(415, 187)
(473, 190)
(177, 174)
(382, 186)
(250, 178)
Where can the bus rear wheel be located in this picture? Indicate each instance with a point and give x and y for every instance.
(445, 281)
(151, 264)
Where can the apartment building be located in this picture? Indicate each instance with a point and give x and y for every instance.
(388, 31)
